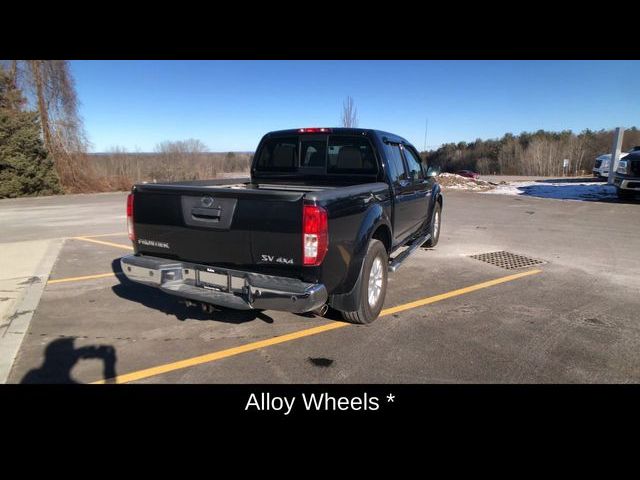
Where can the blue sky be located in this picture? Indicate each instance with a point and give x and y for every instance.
(229, 105)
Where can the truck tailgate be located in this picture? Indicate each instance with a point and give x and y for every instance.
(234, 227)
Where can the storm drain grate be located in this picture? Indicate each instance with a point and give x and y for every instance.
(506, 260)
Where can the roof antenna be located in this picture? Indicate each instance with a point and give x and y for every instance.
(426, 127)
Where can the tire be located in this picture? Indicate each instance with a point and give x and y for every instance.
(374, 275)
(625, 194)
(435, 226)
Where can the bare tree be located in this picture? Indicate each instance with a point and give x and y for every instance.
(57, 102)
(177, 159)
(349, 114)
(13, 71)
(171, 161)
(51, 88)
(37, 76)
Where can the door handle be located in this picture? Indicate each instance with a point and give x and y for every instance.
(206, 214)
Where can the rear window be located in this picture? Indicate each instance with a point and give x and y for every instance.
(350, 155)
(333, 154)
(314, 153)
(279, 155)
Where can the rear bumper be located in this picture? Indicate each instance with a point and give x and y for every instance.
(220, 286)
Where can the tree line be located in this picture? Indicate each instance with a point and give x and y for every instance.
(44, 148)
(538, 153)
(171, 161)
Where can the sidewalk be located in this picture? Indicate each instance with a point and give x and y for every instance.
(24, 271)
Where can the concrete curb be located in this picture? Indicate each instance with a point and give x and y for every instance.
(11, 341)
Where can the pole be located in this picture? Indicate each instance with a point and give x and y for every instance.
(615, 153)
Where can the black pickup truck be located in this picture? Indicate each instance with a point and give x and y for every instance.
(322, 220)
(627, 177)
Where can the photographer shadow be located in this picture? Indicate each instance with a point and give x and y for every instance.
(153, 298)
(61, 356)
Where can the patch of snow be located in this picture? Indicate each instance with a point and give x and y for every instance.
(469, 186)
(558, 190)
(453, 181)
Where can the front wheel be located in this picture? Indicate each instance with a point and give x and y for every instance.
(625, 194)
(373, 284)
(434, 227)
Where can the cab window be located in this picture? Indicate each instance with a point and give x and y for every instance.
(413, 164)
(397, 171)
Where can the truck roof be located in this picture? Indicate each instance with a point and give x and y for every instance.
(607, 156)
(346, 131)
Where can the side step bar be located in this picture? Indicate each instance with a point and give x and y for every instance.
(395, 263)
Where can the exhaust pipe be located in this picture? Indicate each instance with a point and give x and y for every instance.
(321, 311)
(207, 308)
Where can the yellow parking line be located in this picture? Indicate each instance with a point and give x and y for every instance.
(229, 352)
(117, 234)
(455, 293)
(101, 242)
(85, 277)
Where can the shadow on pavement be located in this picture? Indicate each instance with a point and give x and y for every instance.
(332, 314)
(573, 180)
(61, 355)
(153, 298)
(585, 191)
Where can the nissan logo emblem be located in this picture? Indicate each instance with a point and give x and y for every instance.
(206, 202)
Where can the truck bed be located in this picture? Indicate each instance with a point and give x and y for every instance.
(229, 223)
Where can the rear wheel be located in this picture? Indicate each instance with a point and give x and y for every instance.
(373, 285)
(434, 228)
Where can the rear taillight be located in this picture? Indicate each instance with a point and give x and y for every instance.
(130, 229)
(315, 234)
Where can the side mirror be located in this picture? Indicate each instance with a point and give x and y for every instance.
(433, 171)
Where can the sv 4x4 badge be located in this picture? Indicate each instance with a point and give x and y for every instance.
(274, 259)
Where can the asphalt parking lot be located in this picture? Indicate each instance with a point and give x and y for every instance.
(447, 318)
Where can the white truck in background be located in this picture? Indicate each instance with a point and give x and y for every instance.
(601, 166)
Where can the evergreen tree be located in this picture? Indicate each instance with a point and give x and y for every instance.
(25, 167)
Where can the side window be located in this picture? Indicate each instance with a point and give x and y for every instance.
(413, 163)
(396, 166)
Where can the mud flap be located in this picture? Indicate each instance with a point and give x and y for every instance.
(349, 302)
